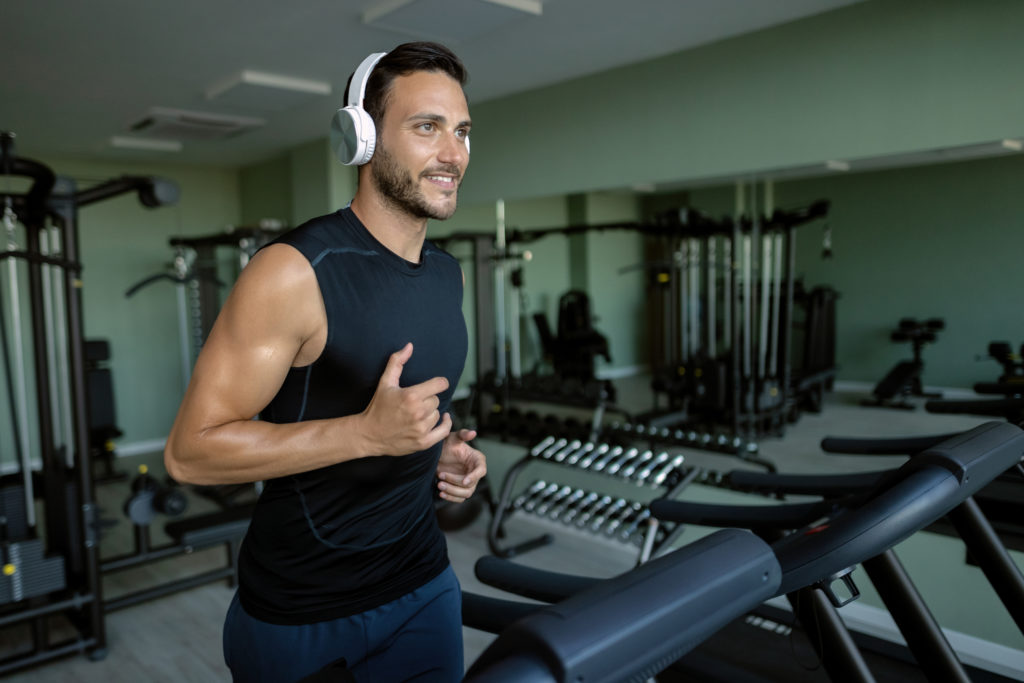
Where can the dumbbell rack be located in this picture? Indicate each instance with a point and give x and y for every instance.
(616, 518)
(690, 438)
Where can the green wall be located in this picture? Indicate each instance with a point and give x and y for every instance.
(266, 191)
(122, 243)
(875, 78)
(934, 241)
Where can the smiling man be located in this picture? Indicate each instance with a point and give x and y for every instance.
(346, 337)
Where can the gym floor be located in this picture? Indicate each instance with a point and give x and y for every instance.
(177, 638)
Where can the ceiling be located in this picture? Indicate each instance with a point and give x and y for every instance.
(77, 74)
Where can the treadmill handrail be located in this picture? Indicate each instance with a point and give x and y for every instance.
(635, 624)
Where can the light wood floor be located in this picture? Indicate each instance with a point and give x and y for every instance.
(178, 638)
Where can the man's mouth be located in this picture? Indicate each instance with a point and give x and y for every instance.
(447, 178)
(443, 180)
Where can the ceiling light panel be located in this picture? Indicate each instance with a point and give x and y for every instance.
(451, 21)
(266, 92)
(146, 144)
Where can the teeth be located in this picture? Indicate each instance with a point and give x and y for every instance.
(439, 178)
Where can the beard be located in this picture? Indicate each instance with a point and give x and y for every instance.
(400, 191)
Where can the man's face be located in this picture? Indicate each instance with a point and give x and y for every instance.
(421, 152)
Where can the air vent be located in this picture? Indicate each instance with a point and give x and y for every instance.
(178, 124)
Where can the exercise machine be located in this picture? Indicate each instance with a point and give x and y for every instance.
(722, 302)
(904, 379)
(51, 560)
(589, 636)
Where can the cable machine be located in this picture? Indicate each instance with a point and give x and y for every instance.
(50, 561)
(721, 300)
(721, 297)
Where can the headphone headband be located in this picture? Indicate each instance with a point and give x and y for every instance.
(360, 77)
(353, 136)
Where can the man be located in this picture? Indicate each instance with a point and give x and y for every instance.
(346, 335)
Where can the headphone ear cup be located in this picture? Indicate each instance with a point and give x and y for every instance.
(370, 142)
(353, 136)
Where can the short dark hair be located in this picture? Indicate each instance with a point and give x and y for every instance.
(401, 61)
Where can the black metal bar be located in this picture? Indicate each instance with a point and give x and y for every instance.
(137, 558)
(54, 493)
(787, 325)
(153, 192)
(829, 637)
(734, 351)
(43, 178)
(483, 311)
(32, 257)
(495, 530)
(62, 649)
(77, 602)
(990, 555)
(924, 637)
(65, 213)
(162, 590)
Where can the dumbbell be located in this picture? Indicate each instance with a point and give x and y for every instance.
(711, 477)
(604, 515)
(628, 471)
(150, 497)
(556, 446)
(574, 509)
(539, 448)
(659, 478)
(563, 492)
(602, 462)
(631, 511)
(535, 488)
(557, 509)
(530, 504)
(586, 461)
(575, 457)
(648, 470)
(594, 509)
(573, 445)
(616, 465)
(630, 529)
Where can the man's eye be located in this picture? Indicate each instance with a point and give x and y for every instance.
(427, 127)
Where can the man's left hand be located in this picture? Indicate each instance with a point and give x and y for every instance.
(461, 466)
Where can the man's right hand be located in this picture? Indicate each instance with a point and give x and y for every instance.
(403, 420)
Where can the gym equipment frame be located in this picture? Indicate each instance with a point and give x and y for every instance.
(64, 578)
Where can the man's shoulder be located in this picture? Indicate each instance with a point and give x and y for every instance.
(319, 227)
(316, 234)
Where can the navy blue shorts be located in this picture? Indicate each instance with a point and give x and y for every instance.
(417, 637)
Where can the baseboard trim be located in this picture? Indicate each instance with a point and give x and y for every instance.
(621, 372)
(125, 450)
(857, 387)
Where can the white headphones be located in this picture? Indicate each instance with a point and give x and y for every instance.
(353, 135)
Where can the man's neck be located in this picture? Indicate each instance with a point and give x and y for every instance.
(400, 232)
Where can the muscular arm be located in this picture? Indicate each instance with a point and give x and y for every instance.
(274, 319)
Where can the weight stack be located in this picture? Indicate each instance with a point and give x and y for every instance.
(12, 507)
(27, 574)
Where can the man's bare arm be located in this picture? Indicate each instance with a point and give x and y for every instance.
(274, 319)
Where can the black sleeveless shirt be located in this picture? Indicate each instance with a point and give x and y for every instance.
(347, 538)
